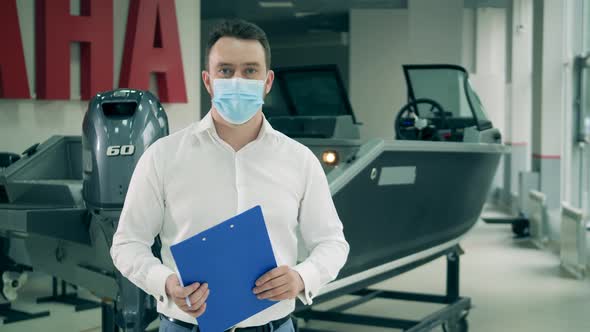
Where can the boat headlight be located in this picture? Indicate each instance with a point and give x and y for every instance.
(330, 158)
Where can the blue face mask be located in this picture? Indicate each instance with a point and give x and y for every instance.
(236, 99)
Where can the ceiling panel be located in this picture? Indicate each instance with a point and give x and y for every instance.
(308, 15)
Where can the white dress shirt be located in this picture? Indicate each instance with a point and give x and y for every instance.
(192, 180)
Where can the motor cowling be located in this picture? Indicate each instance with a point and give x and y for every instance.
(118, 127)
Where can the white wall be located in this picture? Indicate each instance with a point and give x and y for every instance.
(548, 64)
(489, 78)
(519, 85)
(435, 31)
(378, 48)
(25, 122)
(469, 36)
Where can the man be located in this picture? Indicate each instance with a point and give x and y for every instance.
(227, 163)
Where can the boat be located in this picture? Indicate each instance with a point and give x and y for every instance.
(397, 197)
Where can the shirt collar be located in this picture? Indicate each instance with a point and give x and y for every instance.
(206, 125)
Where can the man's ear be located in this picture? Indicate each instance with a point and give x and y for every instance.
(270, 78)
(207, 81)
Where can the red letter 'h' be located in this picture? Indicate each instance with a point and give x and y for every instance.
(56, 29)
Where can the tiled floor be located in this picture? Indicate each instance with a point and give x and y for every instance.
(513, 286)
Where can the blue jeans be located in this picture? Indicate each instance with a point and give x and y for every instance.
(168, 326)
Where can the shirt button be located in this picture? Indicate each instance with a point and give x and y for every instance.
(161, 298)
(309, 294)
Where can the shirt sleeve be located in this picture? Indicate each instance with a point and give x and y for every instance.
(322, 233)
(140, 222)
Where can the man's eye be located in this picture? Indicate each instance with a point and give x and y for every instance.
(225, 71)
(251, 71)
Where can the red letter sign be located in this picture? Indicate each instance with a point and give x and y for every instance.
(13, 73)
(152, 45)
(56, 29)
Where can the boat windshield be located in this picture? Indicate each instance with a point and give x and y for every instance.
(449, 86)
(307, 91)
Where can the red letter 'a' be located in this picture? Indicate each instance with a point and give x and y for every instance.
(56, 29)
(152, 46)
(13, 73)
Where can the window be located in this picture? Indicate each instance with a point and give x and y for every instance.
(274, 103)
(315, 93)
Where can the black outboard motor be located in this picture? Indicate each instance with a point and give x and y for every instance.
(118, 127)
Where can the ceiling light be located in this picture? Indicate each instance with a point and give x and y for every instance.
(276, 4)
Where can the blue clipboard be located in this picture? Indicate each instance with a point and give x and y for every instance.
(230, 257)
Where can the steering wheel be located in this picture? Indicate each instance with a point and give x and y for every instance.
(410, 126)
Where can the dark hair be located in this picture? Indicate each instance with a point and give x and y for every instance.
(239, 29)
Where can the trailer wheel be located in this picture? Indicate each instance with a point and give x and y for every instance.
(520, 228)
(461, 326)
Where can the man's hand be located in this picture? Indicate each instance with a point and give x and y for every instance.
(282, 283)
(196, 293)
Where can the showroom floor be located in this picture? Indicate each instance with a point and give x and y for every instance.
(513, 286)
